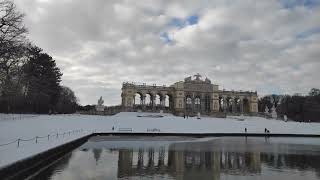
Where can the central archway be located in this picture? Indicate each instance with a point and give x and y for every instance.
(197, 104)
(188, 103)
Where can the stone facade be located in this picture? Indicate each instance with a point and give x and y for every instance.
(188, 97)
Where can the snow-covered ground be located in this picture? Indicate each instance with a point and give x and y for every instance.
(25, 127)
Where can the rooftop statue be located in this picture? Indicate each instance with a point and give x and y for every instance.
(100, 101)
(197, 76)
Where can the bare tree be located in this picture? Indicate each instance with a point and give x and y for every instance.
(12, 34)
(12, 28)
(13, 48)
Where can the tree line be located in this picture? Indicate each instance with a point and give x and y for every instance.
(296, 107)
(29, 78)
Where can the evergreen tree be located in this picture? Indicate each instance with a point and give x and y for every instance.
(42, 81)
(67, 102)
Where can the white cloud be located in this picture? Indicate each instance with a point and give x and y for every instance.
(243, 44)
(123, 12)
(175, 10)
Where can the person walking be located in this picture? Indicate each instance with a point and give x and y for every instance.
(245, 130)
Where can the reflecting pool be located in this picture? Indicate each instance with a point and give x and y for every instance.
(230, 158)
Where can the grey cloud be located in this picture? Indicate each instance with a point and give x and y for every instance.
(246, 44)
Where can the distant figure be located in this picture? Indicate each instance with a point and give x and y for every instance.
(265, 130)
(184, 116)
(112, 128)
(245, 130)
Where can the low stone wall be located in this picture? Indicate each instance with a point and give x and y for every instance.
(100, 113)
(200, 135)
(26, 167)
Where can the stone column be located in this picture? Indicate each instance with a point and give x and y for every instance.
(163, 101)
(220, 104)
(154, 101)
(193, 105)
(225, 105)
(214, 103)
(228, 105)
(241, 106)
(134, 100)
(234, 106)
(143, 101)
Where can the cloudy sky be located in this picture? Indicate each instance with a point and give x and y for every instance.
(272, 46)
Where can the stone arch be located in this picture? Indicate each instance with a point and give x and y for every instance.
(169, 102)
(158, 98)
(188, 102)
(148, 100)
(197, 103)
(138, 100)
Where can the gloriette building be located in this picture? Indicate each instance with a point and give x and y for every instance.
(190, 96)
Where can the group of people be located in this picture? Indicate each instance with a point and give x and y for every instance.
(266, 131)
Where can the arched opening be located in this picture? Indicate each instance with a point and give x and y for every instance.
(246, 106)
(148, 101)
(221, 104)
(138, 98)
(197, 104)
(158, 101)
(167, 101)
(188, 103)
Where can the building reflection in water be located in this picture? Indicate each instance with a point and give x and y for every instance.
(186, 164)
(189, 160)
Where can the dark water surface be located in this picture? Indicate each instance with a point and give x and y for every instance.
(230, 158)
